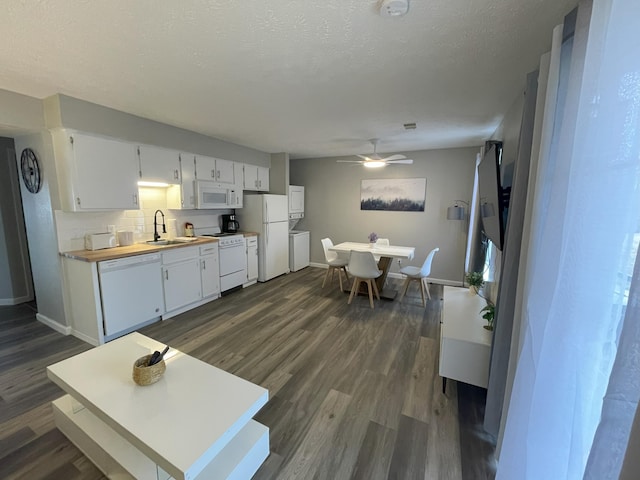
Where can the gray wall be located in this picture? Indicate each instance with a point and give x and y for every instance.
(19, 114)
(69, 112)
(332, 206)
(15, 274)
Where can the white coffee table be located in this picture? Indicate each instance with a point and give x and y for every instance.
(196, 422)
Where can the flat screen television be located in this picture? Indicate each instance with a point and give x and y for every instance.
(493, 198)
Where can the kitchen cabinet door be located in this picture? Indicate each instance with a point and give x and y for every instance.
(216, 169)
(182, 196)
(263, 179)
(250, 175)
(256, 178)
(160, 165)
(296, 199)
(182, 284)
(210, 275)
(225, 171)
(205, 168)
(96, 173)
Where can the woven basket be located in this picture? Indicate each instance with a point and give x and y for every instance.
(144, 375)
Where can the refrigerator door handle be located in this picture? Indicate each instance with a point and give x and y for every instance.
(266, 207)
(267, 239)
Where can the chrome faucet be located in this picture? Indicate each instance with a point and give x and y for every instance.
(156, 236)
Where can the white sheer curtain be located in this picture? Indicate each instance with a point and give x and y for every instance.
(585, 215)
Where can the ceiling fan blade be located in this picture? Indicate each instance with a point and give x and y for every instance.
(406, 161)
(349, 161)
(364, 157)
(394, 157)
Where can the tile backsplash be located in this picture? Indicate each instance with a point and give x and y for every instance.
(73, 226)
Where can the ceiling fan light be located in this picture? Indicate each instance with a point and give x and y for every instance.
(374, 164)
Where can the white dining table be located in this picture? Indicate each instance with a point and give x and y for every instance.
(385, 254)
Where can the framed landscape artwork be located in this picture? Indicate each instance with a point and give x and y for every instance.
(395, 194)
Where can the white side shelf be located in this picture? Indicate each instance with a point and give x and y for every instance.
(465, 345)
(117, 458)
(195, 419)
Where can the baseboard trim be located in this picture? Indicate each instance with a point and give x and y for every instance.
(15, 301)
(85, 338)
(63, 329)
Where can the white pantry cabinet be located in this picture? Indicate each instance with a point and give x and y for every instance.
(256, 178)
(216, 170)
(159, 165)
(95, 173)
(181, 278)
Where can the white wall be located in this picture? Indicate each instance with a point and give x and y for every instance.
(73, 226)
(332, 206)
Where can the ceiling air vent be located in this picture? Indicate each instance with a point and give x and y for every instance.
(410, 126)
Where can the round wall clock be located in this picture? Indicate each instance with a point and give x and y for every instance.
(30, 169)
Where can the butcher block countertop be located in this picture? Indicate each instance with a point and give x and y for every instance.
(130, 250)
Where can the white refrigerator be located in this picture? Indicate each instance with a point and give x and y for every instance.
(268, 215)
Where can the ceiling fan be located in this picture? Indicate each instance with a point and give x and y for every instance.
(376, 161)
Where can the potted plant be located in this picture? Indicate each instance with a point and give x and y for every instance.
(373, 238)
(489, 312)
(475, 281)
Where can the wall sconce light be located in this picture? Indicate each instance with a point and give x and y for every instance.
(456, 212)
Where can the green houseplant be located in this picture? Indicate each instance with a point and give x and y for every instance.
(489, 312)
(475, 281)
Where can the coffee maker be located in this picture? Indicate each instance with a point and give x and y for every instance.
(230, 224)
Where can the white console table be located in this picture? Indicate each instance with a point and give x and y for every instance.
(194, 423)
(465, 345)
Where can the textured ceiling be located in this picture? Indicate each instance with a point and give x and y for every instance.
(309, 78)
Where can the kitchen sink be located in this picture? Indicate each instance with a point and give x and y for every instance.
(162, 242)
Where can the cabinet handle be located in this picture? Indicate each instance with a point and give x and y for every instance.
(135, 199)
(204, 264)
(213, 174)
(217, 173)
(175, 175)
(166, 274)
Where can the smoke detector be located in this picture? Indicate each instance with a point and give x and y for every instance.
(394, 8)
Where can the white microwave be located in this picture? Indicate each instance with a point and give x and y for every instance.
(212, 195)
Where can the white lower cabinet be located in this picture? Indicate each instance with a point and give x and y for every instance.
(252, 260)
(181, 278)
(210, 270)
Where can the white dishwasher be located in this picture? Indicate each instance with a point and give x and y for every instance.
(131, 291)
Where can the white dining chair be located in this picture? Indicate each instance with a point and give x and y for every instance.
(419, 274)
(335, 262)
(363, 268)
(383, 241)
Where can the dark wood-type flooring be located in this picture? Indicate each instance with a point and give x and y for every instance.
(354, 392)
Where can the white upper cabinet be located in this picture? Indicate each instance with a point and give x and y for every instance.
(182, 196)
(296, 199)
(256, 178)
(216, 169)
(160, 165)
(95, 173)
